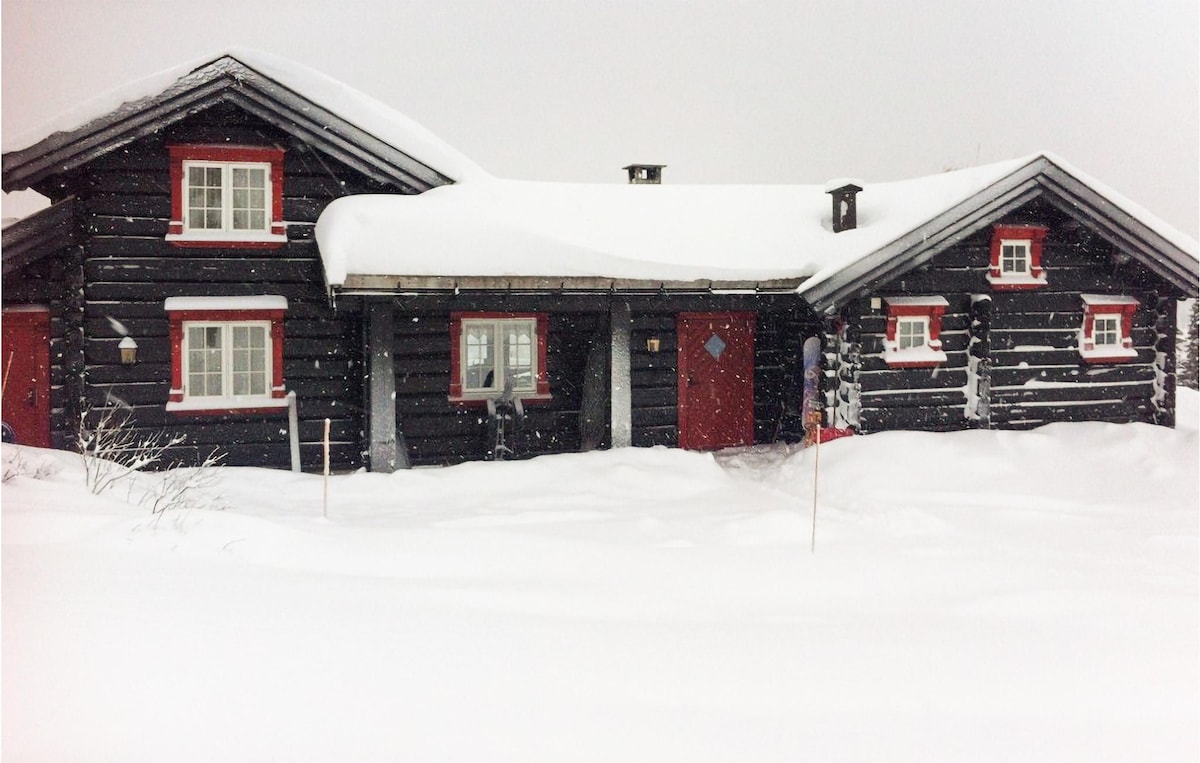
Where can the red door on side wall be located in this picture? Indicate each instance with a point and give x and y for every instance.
(25, 347)
(716, 380)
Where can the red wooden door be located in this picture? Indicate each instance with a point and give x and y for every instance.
(25, 347)
(716, 380)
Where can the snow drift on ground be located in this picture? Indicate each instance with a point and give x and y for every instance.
(982, 596)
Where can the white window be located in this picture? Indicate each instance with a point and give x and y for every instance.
(227, 198)
(226, 360)
(497, 352)
(1106, 331)
(912, 332)
(1014, 258)
(226, 353)
(492, 352)
(914, 328)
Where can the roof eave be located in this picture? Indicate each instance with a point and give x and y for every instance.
(377, 284)
(40, 234)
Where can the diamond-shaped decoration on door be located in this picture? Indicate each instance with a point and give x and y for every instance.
(715, 346)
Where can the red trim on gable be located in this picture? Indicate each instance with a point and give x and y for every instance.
(1035, 235)
(181, 152)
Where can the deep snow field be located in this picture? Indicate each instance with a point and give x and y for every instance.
(977, 596)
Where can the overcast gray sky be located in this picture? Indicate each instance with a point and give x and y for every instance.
(722, 92)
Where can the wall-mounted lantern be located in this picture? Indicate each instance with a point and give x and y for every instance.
(128, 349)
(653, 344)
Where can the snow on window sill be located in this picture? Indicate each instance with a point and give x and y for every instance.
(914, 357)
(1108, 354)
(229, 240)
(1003, 283)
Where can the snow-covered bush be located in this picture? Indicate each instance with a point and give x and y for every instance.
(17, 465)
(114, 450)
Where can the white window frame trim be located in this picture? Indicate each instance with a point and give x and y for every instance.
(215, 311)
(497, 365)
(1117, 333)
(1027, 246)
(228, 399)
(922, 309)
(923, 320)
(227, 232)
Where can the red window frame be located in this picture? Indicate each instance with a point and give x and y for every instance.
(176, 319)
(180, 153)
(1123, 307)
(1035, 235)
(541, 325)
(931, 308)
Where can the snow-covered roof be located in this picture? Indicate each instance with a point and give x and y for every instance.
(519, 228)
(375, 119)
(491, 227)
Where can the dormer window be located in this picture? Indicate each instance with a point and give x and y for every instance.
(1107, 332)
(914, 328)
(229, 196)
(1016, 261)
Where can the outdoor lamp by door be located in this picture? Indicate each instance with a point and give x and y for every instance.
(128, 349)
(652, 344)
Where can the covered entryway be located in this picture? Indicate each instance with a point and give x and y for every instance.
(716, 379)
(25, 345)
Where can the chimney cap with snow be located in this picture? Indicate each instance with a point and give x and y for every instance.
(644, 174)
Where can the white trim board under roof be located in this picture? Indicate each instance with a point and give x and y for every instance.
(348, 125)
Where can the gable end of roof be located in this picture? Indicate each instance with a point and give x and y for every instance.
(40, 234)
(225, 79)
(1040, 178)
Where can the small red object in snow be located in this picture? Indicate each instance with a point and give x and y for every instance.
(833, 433)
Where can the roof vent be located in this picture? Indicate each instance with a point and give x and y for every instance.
(844, 193)
(644, 174)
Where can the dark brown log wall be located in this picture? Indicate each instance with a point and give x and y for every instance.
(1029, 370)
(129, 269)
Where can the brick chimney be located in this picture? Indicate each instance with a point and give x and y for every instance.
(845, 202)
(644, 174)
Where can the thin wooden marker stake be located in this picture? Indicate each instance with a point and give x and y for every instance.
(325, 501)
(816, 474)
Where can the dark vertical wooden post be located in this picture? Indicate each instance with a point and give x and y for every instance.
(74, 391)
(1165, 363)
(593, 406)
(387, 452)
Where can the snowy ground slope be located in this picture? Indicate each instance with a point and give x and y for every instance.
(973, 596)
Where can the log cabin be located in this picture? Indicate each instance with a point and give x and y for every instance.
(242, 235)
